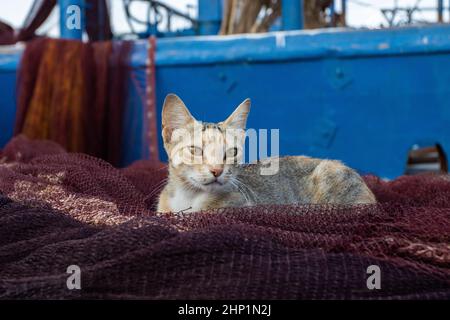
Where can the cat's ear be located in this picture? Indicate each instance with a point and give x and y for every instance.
(175, 115)
(238, 119)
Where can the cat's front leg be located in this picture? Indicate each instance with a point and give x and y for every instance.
(163, 202)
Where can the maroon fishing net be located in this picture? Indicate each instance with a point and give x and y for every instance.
(59, 209)
(74, 93)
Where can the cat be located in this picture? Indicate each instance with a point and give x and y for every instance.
(206, 170)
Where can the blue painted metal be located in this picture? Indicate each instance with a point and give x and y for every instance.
(344, 7)
(67, 10)
(292, 14)
(364, 97)
(303, 45)
(209, 16)
(332, 13)
(9, 60)
(440, 10)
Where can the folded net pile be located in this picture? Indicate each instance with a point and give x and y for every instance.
(59, 209)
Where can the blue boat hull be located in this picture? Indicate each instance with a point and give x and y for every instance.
(364, 97)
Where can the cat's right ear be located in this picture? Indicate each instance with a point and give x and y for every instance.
(238, 119)
(175, 115)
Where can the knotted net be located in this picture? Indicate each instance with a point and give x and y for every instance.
(59, 209)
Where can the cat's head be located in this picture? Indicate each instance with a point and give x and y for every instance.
(203, 156)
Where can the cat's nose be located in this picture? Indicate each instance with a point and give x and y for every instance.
(216, 171)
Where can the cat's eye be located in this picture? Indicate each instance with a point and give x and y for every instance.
(196, 151)
(231, 153)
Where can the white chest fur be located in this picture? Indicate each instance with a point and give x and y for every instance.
(187, 201)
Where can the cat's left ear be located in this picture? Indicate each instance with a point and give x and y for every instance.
(238, 119)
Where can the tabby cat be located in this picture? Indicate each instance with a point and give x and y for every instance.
(206, 170)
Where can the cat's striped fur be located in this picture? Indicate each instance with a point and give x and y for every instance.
(212, 184)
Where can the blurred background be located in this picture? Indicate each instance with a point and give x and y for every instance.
(366, 82)
(359, 14)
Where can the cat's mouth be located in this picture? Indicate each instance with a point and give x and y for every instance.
(214, 182)
(209, 184)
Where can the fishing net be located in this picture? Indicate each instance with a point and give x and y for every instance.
(59, 209)
(74, 93)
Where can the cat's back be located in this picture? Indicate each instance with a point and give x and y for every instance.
(300, 179)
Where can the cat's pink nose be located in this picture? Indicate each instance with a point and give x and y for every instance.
(216, 171)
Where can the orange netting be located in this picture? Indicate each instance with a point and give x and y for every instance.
(74, 93)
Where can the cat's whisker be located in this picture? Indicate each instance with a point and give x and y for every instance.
(153, 193)
(249, 190)
(188, 186)
(240, 191)
(245, 193)
(249, 196)
(158, 187)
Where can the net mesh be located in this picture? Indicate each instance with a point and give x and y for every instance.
(59, 209)
(74, 93)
